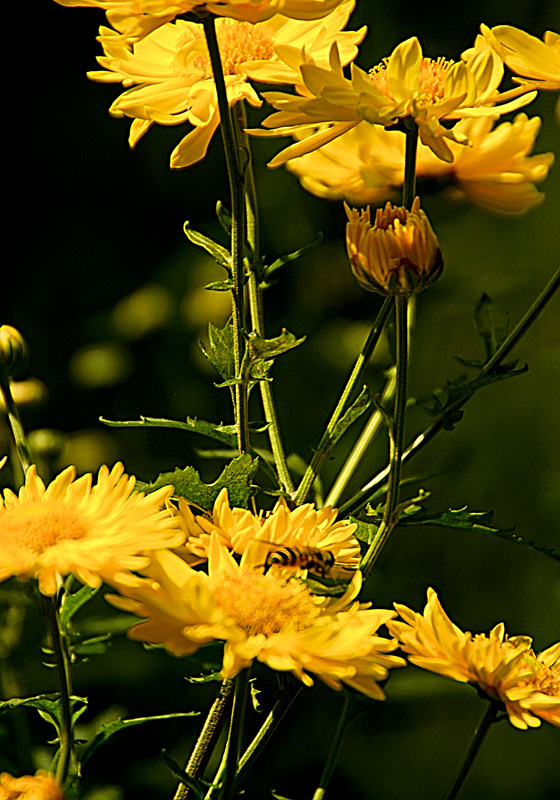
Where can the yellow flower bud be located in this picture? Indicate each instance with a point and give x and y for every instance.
(13, 352)
(399, 254)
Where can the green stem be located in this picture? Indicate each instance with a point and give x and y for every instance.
(237, 191)
(230, 761)
(207, 737)
(268, 728)
(326, 443)
(363, 496)
(411, 149)
(478, 738)
(65, 755)
(256, 308)
(397, 438)
(360, 448)
(16, 427)
(334, 751)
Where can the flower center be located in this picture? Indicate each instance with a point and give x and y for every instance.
(36, 527)
(431, 77)
(263, 604)
(385, 217)
(238, 41)
(544, 679)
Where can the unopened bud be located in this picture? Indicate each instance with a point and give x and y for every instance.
(13, 352)
(398, 254)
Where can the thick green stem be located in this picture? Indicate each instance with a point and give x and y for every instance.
(363, 496)
(16, 427)
(397, 437)
(327, 442)
(207, 737)
(334, 751)
(256, 308)
(238, 226)
(65, 755)
(230, 760)
(478, 738)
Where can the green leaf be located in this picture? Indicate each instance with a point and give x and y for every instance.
(491, 324)
(193, 784)
(218, 253)
(209, 677)
(264, 349)
(224, 217)
(236, 477)
(477, 521)
(73, 602)
(48, 706)
(365, 531)
(107, 730)
(221, 433)
(269, 271)
(351, 414)
(219, 352)
(220, 286)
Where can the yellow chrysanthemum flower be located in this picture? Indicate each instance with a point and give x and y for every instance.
(538, 62)
(505, 668)
(41, 786)
(398, 254)
(301, 528)
(366, 165)
(95, 533)
(168, 75)
(405, 85)
(134, 19)
(259, 616)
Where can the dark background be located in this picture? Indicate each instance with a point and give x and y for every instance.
(92, 222)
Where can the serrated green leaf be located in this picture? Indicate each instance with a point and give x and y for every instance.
(491, 323)
(73, 602)
(265, 349)
(477, 521)
(351, 414)
(218, 253)
(269, 271)
(365, 531)
(236, 477)
(107, 730)
(48, 706)
(221, 433)
(219, 352)
(209, 677)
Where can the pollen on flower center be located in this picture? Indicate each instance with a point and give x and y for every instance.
(36, 527)
(544, 679)
(431, 78)
(239, 42)
(263, 604)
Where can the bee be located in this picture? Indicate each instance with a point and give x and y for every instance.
(320, 562)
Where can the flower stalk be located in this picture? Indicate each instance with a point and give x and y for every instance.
(390, 517)
(65, 756)
(334, 751)
(476, 743)
(236, 176)
(16, 427)
(326, 443)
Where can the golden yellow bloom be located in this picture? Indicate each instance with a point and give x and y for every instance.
(13, 352)
(71, 527)
(41, 786)
(398, 254)
(134, 19)
(537, 61)
(405, 85)
(302, 528)
(259, 616)
(168, 76)
(505, 668)
(496, 172)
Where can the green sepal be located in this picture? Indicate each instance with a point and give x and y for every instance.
(219, 352)
(220, 255)
(107, 730)
(350, 415)
(268, 271)
(193, 784)
(476, 521)
(236, 477)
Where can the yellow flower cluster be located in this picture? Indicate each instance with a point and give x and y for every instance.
(504, 667)
(168, 77)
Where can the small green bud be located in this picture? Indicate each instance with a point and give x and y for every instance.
(13, 352)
